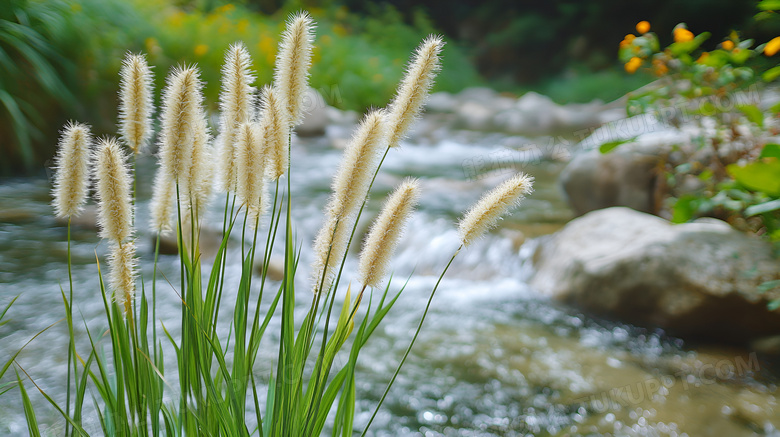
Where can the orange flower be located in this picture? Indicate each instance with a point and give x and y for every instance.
(633, 65)
(727, 45)
(643, 27)
(703, 58)
(682, 34)
(627, 40)
(659, 67)
(772, 46)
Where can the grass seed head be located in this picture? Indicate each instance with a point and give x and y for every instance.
(291, 74)
(135, 102)
(112, 186)
(486, 213)
(414, 88)
(386, 232)
(236, 105)
(71, 181)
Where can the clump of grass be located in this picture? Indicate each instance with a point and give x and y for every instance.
(217, 390)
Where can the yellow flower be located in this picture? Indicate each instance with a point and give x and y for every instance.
(243, 24)
(682, 34)
(633, 65)
(201, 49)
(772, 46)
(643, 27)
(627, 40)
(727, 45)
(226, 8)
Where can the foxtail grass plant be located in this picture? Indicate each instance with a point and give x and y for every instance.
(213, 391)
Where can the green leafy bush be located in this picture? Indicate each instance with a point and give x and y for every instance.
(732, 171)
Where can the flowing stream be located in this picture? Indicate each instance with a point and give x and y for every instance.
(494, 358)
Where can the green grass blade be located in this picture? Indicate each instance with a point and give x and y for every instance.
(29, 412)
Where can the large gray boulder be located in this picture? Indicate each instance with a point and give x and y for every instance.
(625, 176)
(695, 280)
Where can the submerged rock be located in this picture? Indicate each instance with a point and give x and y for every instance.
(695, 280)
(87, 219)
(275, 270)
(210, 240)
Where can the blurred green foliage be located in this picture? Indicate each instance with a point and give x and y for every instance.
(56, 55)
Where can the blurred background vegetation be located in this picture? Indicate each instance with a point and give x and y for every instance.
(59, 59)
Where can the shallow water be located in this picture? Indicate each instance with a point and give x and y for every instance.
(494, 357)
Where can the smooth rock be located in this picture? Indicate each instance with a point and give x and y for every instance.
(625, 176)
(209, 239)
(593, 180)
(86, 219)
(695, 280)
(168, 243)
(275, 268)
(315, 118)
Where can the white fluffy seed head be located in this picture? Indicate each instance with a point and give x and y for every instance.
(414, 88)
(181, 106)
(71, 181)
(361, 157)
(112, 187)
(236, 107)
(293, 60)
(486, 213)
(198, 183)
(275, 132)
(251, 161)
(330, 246)
(163, 201)
(350, 188)
(123, 267)
(135, 102)
(386, 231)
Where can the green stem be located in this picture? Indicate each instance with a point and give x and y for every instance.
(71, 345)
(406, 354)
(224, 258)
(154, 297)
